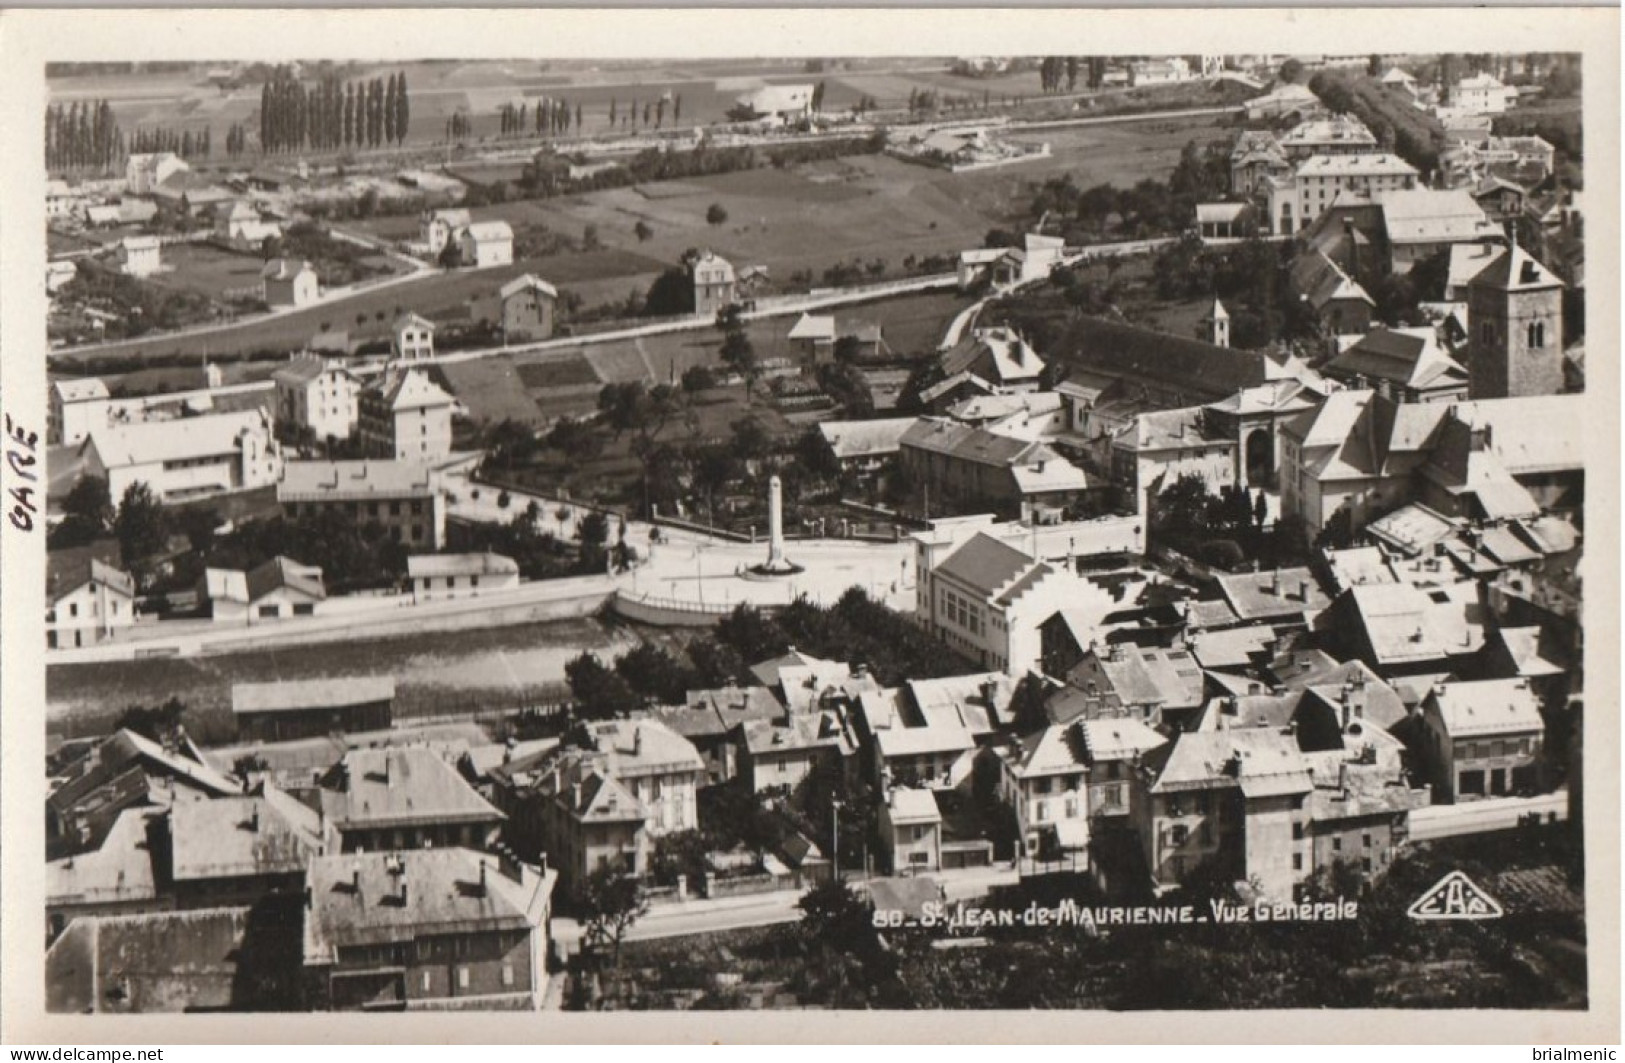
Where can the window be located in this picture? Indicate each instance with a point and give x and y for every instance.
(73, 608)
(1180, 834)
(1297, 861)
(270, 611)
(1365, 864)
(507, 974)
(425, 981)
(462, 978)
(473, 581)
(1537, 334)
(1297, 832)
(1365, 840)
(921, 833)
(1337, 844)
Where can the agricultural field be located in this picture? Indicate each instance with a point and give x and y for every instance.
(209, 269)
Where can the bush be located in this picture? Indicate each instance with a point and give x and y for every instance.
(716, 214)
(503, 500)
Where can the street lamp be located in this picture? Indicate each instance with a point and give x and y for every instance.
(835, 827)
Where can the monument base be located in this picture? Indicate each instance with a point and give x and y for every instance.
(773, 570)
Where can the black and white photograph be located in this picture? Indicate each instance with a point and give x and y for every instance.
(986, 530)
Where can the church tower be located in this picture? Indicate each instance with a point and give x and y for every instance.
(1515, 317)
(1215, 327)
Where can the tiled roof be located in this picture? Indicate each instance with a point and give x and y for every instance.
(67, 573)
(268, 833)
(1203, 372)
(1258, 761)
(1409, 357)
(1277, 593)
(1117, 739)
(79, 390)
(857, 439)
(148, 442)
(1367, 165)
(294, 695)
(376, 788)
(409, 390)
(284, 269)
(1489, 706)
(308, 481)
(985, 564)
(994, 354)
(1430, 215)
(482, 231)
(119, 871)
(527, 282)
(908, 805)
(379, 898)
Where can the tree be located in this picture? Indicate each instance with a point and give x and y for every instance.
(652, 671)
(740, 356)
(716, 214)
(161, 724)
(698, 378)
(141, 526)
(598, 692)
(1291, 71)
(715, 664)
(642, 231)
(88, 511)
(611, 903)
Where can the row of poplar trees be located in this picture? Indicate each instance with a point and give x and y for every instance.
(332, 113)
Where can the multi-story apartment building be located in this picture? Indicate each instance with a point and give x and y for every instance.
(405, 497)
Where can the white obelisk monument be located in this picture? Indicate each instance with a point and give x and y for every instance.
(775, 526)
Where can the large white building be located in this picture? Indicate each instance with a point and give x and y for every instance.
(187, 457)
(1296, 201)
(75, 407)
(988, 598)
(314, 393)
(406, 416)
(405, 497)
(486, 243)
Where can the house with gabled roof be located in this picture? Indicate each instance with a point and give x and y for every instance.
(998, 356)
(970, 469)
(437, 929)
(411, 338)
(405, 415)
(1482, 739)
(403, 798)
(88, 601)
(1158, 686)
(599, 798)
(1227, 802)
(319, 395)
(276, 590)
(522, 310)
(1403, 364)
(286, 282)
(187, 457)
(484, 244)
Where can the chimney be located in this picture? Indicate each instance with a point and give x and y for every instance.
(637, 741)
(388, 781)
(254, 819)
(1275, 582)
(1303, 590)
(1343, 779)
(355, 883)
(482, 878)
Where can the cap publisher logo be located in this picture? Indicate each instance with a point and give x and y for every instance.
(1455, 897)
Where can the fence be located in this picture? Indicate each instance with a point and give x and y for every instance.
(668, 612)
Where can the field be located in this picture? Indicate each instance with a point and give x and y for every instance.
(208, 269)
(436, 672)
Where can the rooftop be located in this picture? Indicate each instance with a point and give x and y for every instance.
(428, 566)
(985, 564)
(359, 899)
(268, 833)
(1489, 706)
(180, 439)
(295, 695)
(1287, 592)
(374, 788)
(314, 481)
(861, 439)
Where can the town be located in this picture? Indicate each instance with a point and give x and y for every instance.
(796, 534)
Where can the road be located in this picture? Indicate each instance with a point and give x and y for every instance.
(703, 916)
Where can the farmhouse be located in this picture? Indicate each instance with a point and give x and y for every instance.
(438, 577)
(287, 710)
(405, 497)
(145, 172)
(486, 243)
(440, 227)
(276, 590)
(289, 283)
(241, 221)
(189, 457)
(521, 310)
